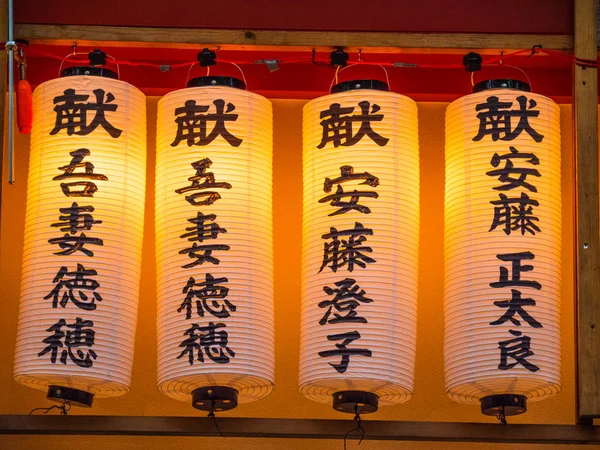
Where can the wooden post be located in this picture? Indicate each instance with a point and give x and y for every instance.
(3, 59)
(585, 125)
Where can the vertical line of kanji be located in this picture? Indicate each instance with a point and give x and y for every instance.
(587, 250)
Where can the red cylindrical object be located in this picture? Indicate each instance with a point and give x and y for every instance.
(24, 107)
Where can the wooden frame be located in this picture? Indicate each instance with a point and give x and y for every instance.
(382, 42)
(585, 107)
(587, 248)
(299, 428)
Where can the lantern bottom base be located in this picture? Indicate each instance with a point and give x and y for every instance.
(215, 398)
(73, 396)
(505, 404)
(355, 402)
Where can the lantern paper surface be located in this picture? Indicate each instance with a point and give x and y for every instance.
(502, 246)
(214, 242)
(83, 236)
(360, 245)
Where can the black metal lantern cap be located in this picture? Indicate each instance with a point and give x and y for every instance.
(217, 81)
(90, 71)
(215, 398)
(505, 404)
(355, 402)
(351, 85)
(74, 396)
(501, 83)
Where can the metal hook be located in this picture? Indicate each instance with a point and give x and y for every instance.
(534, 50)
(357, 428)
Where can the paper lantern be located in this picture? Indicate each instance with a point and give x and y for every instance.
(502, 248)
(360, 248)
(83, 238)
(214, 245)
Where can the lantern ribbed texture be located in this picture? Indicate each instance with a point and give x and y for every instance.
(391, 282)
(119, 204)
(245, 211)
(472, 345)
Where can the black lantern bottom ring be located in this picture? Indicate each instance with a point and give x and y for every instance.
(355, 402)
(75, 397)
(215, 398)
(505, 404)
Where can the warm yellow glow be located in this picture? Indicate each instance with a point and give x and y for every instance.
(244, 210)
(475, 235)
(118, 203)
(391, 281)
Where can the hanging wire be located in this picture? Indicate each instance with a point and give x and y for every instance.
(357, 428)
(535, 50)
(241, 71)
(319, 63)
(337, 71)
(208, 70)
(501, 416)
(63, 60)
(64, 409)
(501, 59)
(118, 68)
(504, 65)
(341, 69)
(211, 415)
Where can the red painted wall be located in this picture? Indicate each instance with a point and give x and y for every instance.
(466, 16)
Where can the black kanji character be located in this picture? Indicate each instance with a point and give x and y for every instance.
(346, 252)
(75, 281)
(69, 172)
(346, 299)
(495, 119)
(72, 113)
(515, 214)
(206, 340)
(82, 335)
(347, 174)
(343, 350)
(201, 231)
(517, 349)
(202, 254)
(71, 244)
(504, 174)
(514, 306)
(337, 128)
(516, 269)
(208, 289)
(208, 182)
(76, 218)
(192, 124)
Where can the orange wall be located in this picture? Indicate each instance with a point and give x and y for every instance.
(429, 402)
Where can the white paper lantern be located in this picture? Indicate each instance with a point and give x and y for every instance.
(360, 247)
(214, 244)
(502, 249)
(83, 237)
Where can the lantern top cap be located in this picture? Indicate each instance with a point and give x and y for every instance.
(501, 83)
(216, 81)
(90, 71)
(351, 85)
